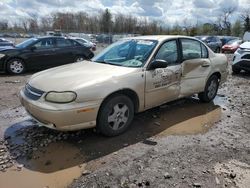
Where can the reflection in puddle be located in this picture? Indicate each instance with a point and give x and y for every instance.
(54, 159)
(51, 164)
(195, 125)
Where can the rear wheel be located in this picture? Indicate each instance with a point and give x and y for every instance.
(235, 70)
(15, 66)
(211, 89)
(115, 115)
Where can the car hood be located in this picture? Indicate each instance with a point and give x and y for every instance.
(6, 48)
(76, 76)
(245, 45)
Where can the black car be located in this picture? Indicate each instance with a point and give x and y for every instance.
(43, 52)
(212, 42)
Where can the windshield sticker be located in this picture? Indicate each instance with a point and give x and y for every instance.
(145, 42)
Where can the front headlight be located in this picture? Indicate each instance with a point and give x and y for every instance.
(60, 97)
(2, 55)
(240, 51)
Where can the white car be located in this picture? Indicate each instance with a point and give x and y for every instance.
(241, 59)
(85, 42)
(130, 76)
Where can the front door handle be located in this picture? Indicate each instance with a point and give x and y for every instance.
(205, 65)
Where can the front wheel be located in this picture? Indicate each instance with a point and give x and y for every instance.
(115, 115)
(235, 70)
(79, 58)
(15, 66)
(211, 89)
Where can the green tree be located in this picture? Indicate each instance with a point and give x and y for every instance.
(237, 28)
(106, 21)
(247, 23)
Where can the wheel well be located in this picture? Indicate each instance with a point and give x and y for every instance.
(217, 74)
(127, 92)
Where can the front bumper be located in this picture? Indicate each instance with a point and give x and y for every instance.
(242, 60)
(67, 118)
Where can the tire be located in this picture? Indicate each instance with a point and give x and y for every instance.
(211, 89)
(15, 66)
(235, 70)
(115, 115)
(79, 58)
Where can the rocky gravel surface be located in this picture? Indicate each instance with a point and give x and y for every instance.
(218, 158)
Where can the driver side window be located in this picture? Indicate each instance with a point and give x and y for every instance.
(44, 43)
(168, 52)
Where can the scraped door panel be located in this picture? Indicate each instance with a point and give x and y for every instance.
(194, 75)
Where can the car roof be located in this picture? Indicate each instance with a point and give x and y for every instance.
(159, 37)
(46, 37)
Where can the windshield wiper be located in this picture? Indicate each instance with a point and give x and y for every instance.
(109, 63)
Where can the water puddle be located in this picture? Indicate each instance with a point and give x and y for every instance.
(56, 167)
(53, 159)
(195, 125)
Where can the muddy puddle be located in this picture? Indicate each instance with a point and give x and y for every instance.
(53, 159)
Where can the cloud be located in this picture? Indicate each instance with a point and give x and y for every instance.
(166, 11)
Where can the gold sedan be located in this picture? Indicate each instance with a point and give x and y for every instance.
(130, 76)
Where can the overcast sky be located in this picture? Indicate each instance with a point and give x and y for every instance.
(168, 11)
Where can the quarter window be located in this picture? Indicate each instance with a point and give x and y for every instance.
(168, 52)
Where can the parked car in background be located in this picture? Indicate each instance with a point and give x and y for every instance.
(241, 59)
(231, 46)
(212, 42)
(226, 39)
(130, 76)
(5, 42)
(43, 52)
(85, 42)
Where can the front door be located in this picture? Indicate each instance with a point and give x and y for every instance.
(163, 84)
(42, 53)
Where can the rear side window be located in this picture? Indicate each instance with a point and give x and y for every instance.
(191, 49)
(63, 43)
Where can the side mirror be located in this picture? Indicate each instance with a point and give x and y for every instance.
(158, 63)
(32, 48)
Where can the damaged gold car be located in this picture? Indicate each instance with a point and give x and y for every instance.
(130, 76)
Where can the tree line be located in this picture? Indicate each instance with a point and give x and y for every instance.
(105, 22)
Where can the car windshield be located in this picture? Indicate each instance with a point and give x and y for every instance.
(234, 42)
(127, 53)
(26, 43)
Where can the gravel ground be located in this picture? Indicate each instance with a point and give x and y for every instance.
(219, 158)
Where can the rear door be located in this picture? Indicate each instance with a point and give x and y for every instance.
(64, 51)
(196, 66)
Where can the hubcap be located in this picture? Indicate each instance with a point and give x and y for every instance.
(118, 116)
(16, 66)
(212, 88)
(79, 59)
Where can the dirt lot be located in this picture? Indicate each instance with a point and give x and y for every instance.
(181, 144)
